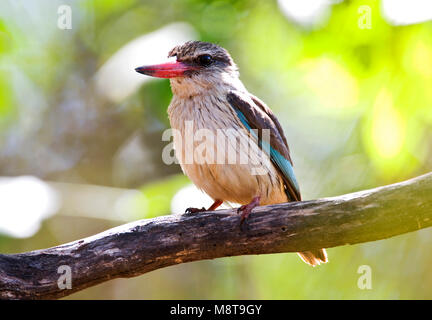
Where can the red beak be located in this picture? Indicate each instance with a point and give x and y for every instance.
(166, 70)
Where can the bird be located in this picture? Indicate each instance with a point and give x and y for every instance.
(209, 95)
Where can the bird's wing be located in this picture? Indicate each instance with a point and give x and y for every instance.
(254, 114)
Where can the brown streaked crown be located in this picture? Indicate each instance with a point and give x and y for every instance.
(192, 50)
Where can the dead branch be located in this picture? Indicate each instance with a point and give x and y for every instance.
(143, 246)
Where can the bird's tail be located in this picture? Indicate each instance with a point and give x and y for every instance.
(314, 257)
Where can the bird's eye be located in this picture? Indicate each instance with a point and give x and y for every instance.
(205, 60)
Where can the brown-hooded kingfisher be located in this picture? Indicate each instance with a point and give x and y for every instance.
(207, 92)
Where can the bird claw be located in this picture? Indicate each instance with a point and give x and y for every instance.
(195, 210)
(245, 212)
(246, 209)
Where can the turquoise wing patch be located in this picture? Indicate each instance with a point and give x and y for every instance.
(280, 161)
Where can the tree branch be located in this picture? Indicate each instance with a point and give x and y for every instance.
(139, 247)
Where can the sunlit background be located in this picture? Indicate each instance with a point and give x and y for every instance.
(80, 131)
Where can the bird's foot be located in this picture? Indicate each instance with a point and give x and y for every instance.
(214, 206)
(246, 209)
(195, 210)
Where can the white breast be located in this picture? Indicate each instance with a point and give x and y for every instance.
(216, 152)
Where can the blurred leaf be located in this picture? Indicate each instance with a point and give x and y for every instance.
(157, 196)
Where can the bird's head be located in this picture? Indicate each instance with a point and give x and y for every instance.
(199, 67)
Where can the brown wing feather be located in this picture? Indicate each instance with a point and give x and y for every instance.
(270, 113)
(259, 116)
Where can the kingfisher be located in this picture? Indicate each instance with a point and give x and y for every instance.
(209, 95)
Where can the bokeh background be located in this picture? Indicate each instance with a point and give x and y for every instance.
(80, 131)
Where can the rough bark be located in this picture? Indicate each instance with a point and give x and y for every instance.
(139, 247)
